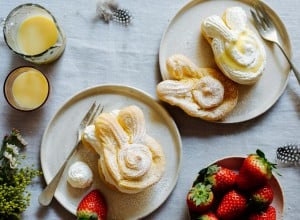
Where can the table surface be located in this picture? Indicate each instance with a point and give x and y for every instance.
(100, 53)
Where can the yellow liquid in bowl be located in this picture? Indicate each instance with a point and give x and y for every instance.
(30, 89)
(37, 34)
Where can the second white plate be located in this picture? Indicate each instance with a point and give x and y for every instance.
(183, 36)
(60, 136)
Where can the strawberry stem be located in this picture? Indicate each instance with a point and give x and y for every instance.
(260, 153)
(272, 166)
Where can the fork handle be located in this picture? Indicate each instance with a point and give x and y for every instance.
(296, 72)
(46, 196)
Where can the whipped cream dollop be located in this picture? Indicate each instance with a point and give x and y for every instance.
(80, 175)
(238, 52)
(90, 138)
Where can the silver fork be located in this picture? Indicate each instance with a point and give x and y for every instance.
(267, 30)
(47, 195)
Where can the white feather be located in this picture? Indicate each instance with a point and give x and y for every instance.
(105, 9)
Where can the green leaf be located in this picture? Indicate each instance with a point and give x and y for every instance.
(260, 153)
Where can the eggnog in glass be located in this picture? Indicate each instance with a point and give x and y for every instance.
(26, 88)
(32, 32)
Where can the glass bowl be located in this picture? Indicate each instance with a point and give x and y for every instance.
(11, 29)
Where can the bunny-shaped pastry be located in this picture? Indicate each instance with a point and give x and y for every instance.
(201, 92)
(130, 160)
(238, 52)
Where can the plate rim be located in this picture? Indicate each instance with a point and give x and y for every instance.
(287, 46)
(158, 106)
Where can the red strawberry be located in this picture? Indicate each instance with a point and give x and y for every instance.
(92, 207)
(232, 205)
(269, 214)
(221, 178)
(207, 216)
(262, 197)
(256, 170)
(200, 198)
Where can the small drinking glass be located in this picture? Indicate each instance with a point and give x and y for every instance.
(26, 88)
(11, 30)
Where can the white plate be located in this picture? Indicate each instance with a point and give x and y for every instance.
(234, 163)
(183, 36)
(60, 136)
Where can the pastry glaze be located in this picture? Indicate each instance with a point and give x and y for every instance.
(238, 52)
(200, 92)
(130, 160)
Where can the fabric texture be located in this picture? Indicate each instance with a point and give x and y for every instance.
(98, 52)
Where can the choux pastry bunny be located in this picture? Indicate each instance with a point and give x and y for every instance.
(201, 92)
(237, 50)
(130, 160)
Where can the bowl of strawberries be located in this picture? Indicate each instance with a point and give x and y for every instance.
(236, 188)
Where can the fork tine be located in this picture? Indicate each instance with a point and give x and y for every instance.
(95, 114)
(256, 21)
(261, 19)
(267, 18)
(263, 15)
(88, 115)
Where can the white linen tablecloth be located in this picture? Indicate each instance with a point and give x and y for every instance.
(101, 53)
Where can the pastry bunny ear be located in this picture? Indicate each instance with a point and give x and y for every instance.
(169, 88)
(132, 121)
(110, 132)
(230, 17)
(214, 27)
(180, 67)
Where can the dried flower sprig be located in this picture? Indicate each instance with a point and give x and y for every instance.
(14, 198)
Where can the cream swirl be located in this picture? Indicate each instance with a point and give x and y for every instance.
(208, 92)
(130, 160)
(238, 52)
(134, 161)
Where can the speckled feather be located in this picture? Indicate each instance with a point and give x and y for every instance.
(289, 154)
